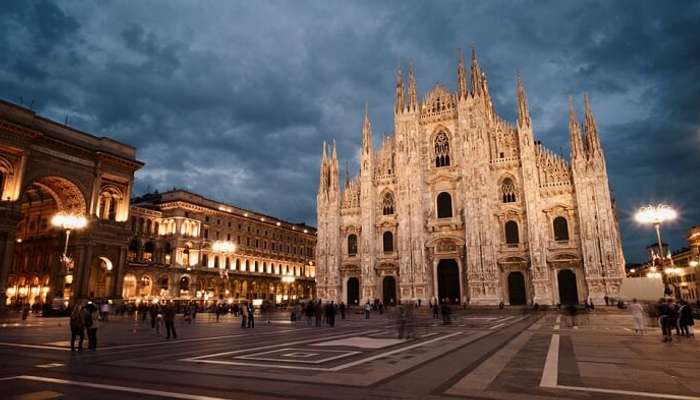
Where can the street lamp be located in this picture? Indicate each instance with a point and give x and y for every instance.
(68, 222)
(656, 215)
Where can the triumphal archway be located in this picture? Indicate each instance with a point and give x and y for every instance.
(49, 169)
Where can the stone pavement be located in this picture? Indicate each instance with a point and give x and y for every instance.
(489, 354)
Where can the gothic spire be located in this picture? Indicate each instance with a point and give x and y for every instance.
(461, 77)
(366, 133)
(523, 111)
(334, 178)
(476, 74)
(399, 101)
(574, 132)
(412, 97)
(323, 174)
(592, 139)
(347, 175)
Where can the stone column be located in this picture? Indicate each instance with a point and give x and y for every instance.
(9, 217)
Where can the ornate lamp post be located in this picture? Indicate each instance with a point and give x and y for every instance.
(656, 215)
(68, 222)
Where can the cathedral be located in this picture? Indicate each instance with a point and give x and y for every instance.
(459, 205)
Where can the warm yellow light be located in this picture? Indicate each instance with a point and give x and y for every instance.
(633, 271)
(223, 246)
(69, 221)
(655, 214)
(288, 279)
(306, 231)
(693, 263)
(279, 224)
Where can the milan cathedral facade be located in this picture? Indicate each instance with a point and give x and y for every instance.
(462, 206)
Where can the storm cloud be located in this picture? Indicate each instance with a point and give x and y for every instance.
(233, 99)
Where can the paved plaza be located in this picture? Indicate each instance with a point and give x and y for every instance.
(482, 354)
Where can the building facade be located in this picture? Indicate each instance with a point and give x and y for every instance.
(48, 168)
(460, 205)
(188, 247)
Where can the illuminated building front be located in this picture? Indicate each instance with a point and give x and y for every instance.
(188, 247)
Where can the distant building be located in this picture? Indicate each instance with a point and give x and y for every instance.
(174, 252)
(460, 205)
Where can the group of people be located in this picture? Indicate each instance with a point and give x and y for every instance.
(675, 315)
(321, 313)
(84, 319)
(442, 310)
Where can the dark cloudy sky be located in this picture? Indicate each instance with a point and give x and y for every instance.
(233, 99)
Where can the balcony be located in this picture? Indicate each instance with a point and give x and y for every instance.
(513, 247)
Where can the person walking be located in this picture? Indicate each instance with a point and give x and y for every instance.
(342, 310)
(244, 316)
(91, 318)
(309, 312)
(169, 319)
(436, 312)
(638, 316)
(368, 308)
(153, 313)
(251, 316)
(666, 319)
(77, 327)
(330, 313)
(217, 311)
(685, 318)
(318, 313)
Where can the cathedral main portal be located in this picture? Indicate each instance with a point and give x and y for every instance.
(448, 281)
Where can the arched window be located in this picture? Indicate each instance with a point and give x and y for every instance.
(148, 227)
(442, 150)
(205, 260)
(238, 264)
(112, 212)
(388, 203)
(216, 261)
(352, 245)
(148, 251)
(512, 236)
(256, 269)
(133, 250)
(444, 205)
(561, 229)
(388, 239)
(228, 263)
(508, 191)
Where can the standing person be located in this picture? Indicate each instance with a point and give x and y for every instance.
(91, 316)
(153, 312)
(217, 311)
(77, 327)
(318, 312)
(436, 313)
(251, 316)
(309, 312)
(169, 319)
(330, 313)
(368, 308)
(244, 316)
(104, 308)
(666, 319)
(638, 316)
(342, 310)
(25, 311)
(381, 307)
(685, 318)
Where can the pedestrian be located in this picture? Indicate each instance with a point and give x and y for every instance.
(251, 316)
(318, 312)
(188, 313)
(105, 308)
(330, 313)
(638, 316)
(685, 318)
(25, 311)
(153, 312)
(381, 306)
(419, 301)
(217, 311)
(77, 328)
(169, 319)
(436, 312)
(309, 312)
(368, 308)
(91, 316)
(342, 310)
(244, 316)
(666, 318)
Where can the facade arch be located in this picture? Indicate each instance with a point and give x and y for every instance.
(512, 235)
(444, 205)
